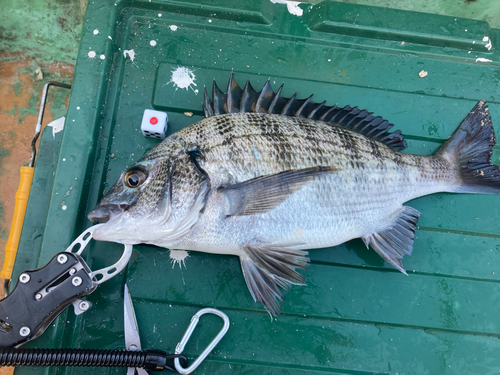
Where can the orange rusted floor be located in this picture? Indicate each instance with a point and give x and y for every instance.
(38, 42)
(20, 92)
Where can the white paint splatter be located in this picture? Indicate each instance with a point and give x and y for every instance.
(130, 53)
(178, 257)
(102, 57)
(96, 31)
(173, 27)
(423, 74)
(64, 208)
(183, 78)
(57, 125)
(39, 74)
(292, 6)
(210, 21)
(91, 54)
(152, 43)
(481, 59)
(109, 37)
(159, 14)
(488, 45)
(78, 107)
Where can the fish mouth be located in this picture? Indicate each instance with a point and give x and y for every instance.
(104, 213)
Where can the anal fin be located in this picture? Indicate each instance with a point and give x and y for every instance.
(269, 267)
(396, 241)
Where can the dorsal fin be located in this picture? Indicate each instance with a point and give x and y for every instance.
(266, 95)
(248, 98)
(267, 101)
(219, 99)
(233, 96)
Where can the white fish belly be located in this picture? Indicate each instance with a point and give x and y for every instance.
(326, 212)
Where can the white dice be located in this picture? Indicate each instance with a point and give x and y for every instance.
(154, 124)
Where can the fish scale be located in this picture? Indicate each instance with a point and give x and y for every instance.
(293, 152)
(264, 178)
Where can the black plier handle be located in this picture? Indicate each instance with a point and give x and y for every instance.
(42, 294)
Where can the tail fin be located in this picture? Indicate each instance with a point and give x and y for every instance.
(470, 148)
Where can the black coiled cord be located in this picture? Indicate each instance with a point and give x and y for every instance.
(149, 359)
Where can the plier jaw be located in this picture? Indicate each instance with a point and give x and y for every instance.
(132, 337)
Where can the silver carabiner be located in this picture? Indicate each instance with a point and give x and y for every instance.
(194, 321)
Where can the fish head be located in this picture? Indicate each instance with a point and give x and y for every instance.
(138, 198)
(155, 201)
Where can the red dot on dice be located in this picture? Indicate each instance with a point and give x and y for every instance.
(153, 121)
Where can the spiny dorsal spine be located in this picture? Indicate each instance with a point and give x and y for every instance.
(236, 100)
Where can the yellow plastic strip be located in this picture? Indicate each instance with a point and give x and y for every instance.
(22, 195)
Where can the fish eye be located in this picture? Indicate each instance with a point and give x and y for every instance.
(135, 177)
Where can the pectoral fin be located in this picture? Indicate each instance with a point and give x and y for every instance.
(262, 194)
(267, 268)
(397, 240)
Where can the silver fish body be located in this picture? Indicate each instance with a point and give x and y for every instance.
(356, 197)
(266, 187)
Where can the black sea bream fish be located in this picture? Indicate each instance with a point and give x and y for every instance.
(265, 177)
